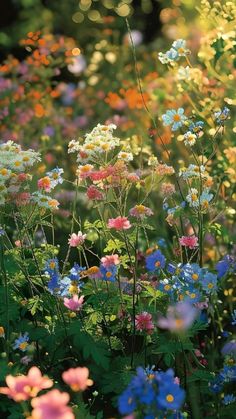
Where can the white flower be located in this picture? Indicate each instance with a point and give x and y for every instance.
(183, 73)
(189, 138)
(123, 155)
(192, 198)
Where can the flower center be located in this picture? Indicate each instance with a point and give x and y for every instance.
(210, 285)
(195, 277)
(108, 274)
(169, 398)
(157, 264)
(176, 118)
(23, 345)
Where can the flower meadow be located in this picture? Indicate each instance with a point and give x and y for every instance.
(117, 220)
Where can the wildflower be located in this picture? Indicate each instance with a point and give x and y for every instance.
(45, 184)
(140, 211)
(191, 272)
(126, 402)
(196, 127)
(189, 241)
(76, 240)
(110, 260)
(22, 342)
(109, 273)
(222, 115)
(209, 282)
(155, 261)
(119, 223)
(93, 193)
(143, 322)
(167, 189)
(174, 118)
(226, 265)
(190, 138)
(75, 303)
(170, 396)
(183, 73)
(25, 360)
(85, 171)
(52, 405)
(228, 399)
(24, 387)
(234, 318)
(192, 198)
(177, 50)
(205, 198)
(229, 348)
(55, 176)
(77, 378)
(179, 317)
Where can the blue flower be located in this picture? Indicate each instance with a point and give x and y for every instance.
(155, 261)
(171, 396)
(209, 282)
(225, 266)
(2, 232)
(228, 374)
(108, 274)
(233, 318)
(174, 118)
(222, 115)
(191, 273)
(228, 399)
(126, 402)
(75, 272)
(22, 342)
(53, 284)
(196, 127)
(229, 348)
(51, 266)
(192, 295)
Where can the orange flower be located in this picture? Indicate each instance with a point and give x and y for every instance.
(133, 98)
(39, 110)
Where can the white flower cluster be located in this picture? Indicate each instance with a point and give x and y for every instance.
(99, 140)
(193, 171)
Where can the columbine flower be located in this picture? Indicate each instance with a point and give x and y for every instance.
(140, 211)
(76, 240)
(22, 342)
(222, 115)
(23, 387)
(143, 322)
(155, 261)
(110, 260)
(119, 223)
(52, 405)
(179, 317)
(189, 241)
(77, 378)
(75, 303)
(174, 118)
(190, 138)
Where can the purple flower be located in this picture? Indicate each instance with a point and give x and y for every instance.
(179, 317)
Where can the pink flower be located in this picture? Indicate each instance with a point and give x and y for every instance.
(52, 405)
(77, 378)
(143, 322)
(119, 223)
(93, 193)
(23, 387)
(179, 317)
(167, 189)
(140, 211)
(110, 260)
(189, 241)
(76, 240)
(45, 183)
(75, 303)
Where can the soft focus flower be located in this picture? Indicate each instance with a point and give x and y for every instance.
(140, 211)
(143, 322)
(76, 240)
(179, 317)
(52, 405)
(222, 115)
(174, 118)
(22, 342)
(110, 260)
(75, 303)
(189, 241)
(167, 189)
(229, 348)
(190, 138)
(228, 399)
(23, 387)
(45, 183)
(209, 282)
(93, 193)
(2, 332)
(77, 378)
(119, 223)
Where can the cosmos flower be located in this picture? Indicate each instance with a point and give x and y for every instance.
(75, 303)
(23, 387)
(52, 405)
(179, 317)
(174, 118)
(77, 378)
